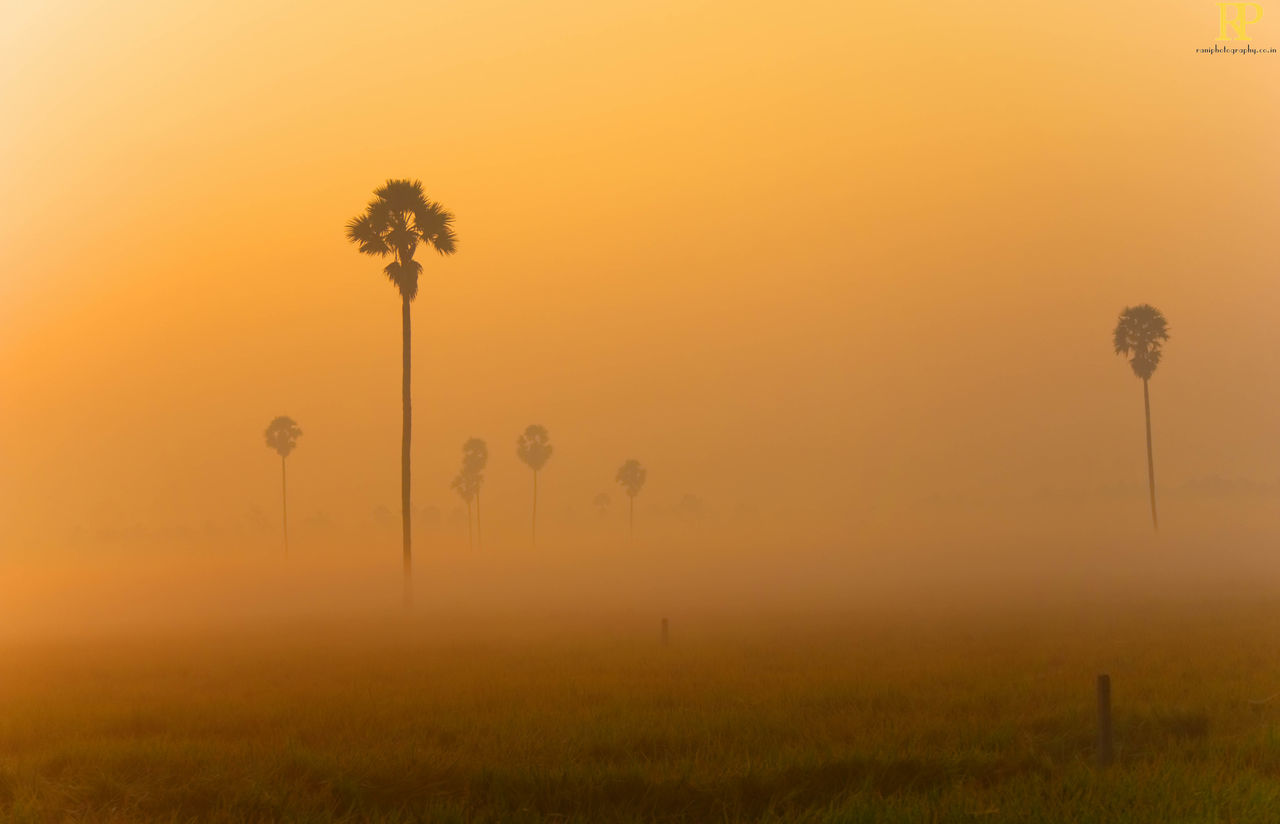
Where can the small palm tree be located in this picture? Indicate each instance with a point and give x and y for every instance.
(475, 457)
(631, 475)
(534, 448)
(282, 435)
(467, 486)
(602, 501)
(1140, 333)
(398, 220)
(691, 507)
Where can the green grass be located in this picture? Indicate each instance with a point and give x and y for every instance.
(786, 720)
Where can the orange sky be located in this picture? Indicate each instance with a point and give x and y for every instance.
(856, 255)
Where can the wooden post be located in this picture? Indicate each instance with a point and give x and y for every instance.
(666, 638)
(1105, 753)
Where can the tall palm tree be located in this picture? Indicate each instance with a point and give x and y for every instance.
(1140, 333)
(398, 220)
(631, 475)
(475, 457)
(467, 486)
(534, 448)
(282, 435)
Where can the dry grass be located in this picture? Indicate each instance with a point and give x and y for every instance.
(594, 721)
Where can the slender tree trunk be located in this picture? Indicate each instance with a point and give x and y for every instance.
(1151, 465)
(479, 534)
(284, 503)
(405, 438)
(470, 545)
(534, 531)
(631, 517)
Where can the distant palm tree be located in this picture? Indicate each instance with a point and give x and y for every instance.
(691, 507)
(282, 435)
(602, 501)
(398, 220)
(475, 457)
(1140, 334)
(632, 477)
(467, 486)
(534, 448)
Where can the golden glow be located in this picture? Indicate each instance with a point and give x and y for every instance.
(844, 267)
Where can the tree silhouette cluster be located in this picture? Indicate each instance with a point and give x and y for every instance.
(400, 219)
(467, 483)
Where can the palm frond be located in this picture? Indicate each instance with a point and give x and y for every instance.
(362, 232)
(435, 224)
(445, 242)
(404, 240)
(403, 196)
(381, 215)
(404, 274)
(1122, 341)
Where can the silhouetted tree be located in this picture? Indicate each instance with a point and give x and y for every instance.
(475, 457)
(602, 502)
(534, 448)
(282, 435)
(398, 220)
(466, 485)
(632, 477)
(1140, 334)
(690, 507)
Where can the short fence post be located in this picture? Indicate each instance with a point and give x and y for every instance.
(665, 637)
(1105, 752)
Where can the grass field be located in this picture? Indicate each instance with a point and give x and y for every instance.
(593, 720)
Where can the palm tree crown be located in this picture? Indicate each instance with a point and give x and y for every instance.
(466, 485)
(631, 475)
(534, 446)
(282, 435)
(399, 219)
(1140, 334)
(475, 456)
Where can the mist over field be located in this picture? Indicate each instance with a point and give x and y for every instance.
(916, 564)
